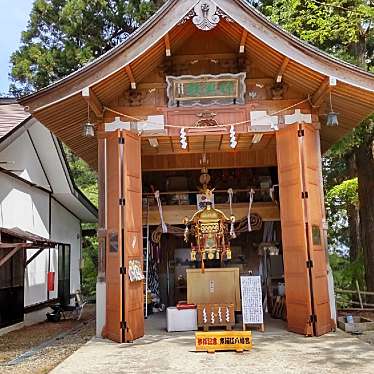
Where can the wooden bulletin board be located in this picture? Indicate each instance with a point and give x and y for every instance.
(251, 300)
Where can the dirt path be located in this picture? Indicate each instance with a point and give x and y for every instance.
(18, 342)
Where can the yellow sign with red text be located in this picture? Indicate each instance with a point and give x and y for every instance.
(223, 341)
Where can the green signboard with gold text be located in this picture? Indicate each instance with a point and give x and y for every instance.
(188, 90)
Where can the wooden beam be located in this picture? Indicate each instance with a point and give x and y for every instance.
(217, 160)
(270, 138)
(237, 139)
(34, 256)
(12, 245)
(220, 143)
(256, 139)
(282, 69)
(161, 85)
(9, 255)
(131, 77)
(180, 59)
(324, 89)
(167, 46)
(242, 41)
(174, 214)
(90, 97)
(171, 144)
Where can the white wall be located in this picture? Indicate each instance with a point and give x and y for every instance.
(66, 229)
(27, 208)
(23, 160)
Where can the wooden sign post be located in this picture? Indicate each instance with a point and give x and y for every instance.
(252, 310)
(213, 341)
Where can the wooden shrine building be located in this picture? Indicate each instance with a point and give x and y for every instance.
(208, 84)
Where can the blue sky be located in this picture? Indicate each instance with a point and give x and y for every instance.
(14, 15)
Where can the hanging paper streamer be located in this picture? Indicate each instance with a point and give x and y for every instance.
(205, 316)
(183, 138)
(251, 196)
(232, 218)
(163, 224)
(231, 194)
(271, 193)
(233, 141)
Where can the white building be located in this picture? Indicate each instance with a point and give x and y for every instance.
(37, 196)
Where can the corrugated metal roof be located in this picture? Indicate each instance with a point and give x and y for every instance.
(11, 115)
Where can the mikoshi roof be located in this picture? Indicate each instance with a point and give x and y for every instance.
(62, 108)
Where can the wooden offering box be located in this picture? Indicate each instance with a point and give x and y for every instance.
(214, 286)
(215, 315)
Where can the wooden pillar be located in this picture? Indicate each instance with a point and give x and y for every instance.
(102, 207)
(124, 237)
(302, 218)
(102, 234)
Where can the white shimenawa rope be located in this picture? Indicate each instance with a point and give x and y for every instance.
(163, 224)
(232, 231)
(251, 196)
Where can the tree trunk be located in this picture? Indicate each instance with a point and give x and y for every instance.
(353, 213)
(354, 232)
(365, 171)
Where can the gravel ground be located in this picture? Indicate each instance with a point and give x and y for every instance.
(17, 342)
(368, 337)
(275, 352)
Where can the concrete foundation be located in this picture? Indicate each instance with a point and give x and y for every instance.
(100, 307)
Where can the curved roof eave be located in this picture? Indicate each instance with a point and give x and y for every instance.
(245, 15)
(143, 29)
(304, 44)
(298, 45)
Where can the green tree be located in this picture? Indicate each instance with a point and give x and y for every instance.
(63, 35)
(84, 177)
(339, 200)
(344, 28)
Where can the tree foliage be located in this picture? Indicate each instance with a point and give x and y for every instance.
(63, 35)
(343, 28)
(338, 201)
(84, 177)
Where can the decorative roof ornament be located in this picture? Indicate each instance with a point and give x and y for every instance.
(205, 15)
(206, 18)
